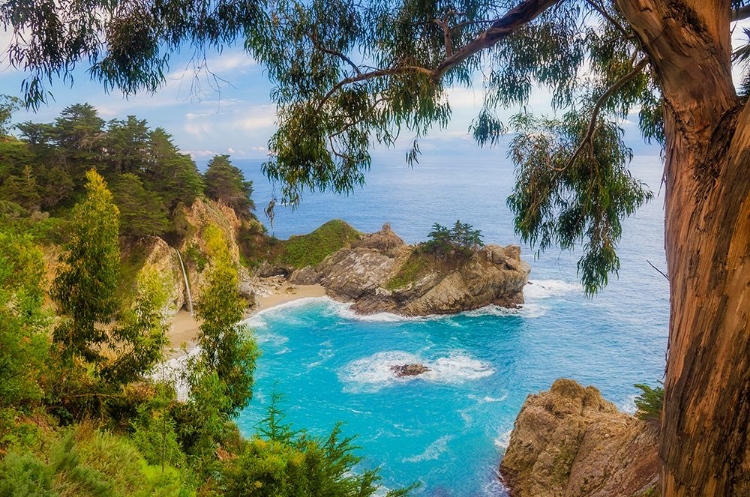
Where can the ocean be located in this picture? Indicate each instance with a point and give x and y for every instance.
(448, 428)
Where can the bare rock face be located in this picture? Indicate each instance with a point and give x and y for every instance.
(409, 370)
(384, 241)
(351, 274)
(305, 276)
(571, 442)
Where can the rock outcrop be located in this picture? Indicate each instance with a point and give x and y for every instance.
(192, 248)
(402, 370)
(380, 273)
(571, 442)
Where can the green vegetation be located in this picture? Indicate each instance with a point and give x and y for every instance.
(311, 249)
(460, 241)
(81, 414)
(445, 249)
(152, 182)
(649, 402)
(225, 183)
(417, 265)
(300, 250)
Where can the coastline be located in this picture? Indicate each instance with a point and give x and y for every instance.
(183, 327)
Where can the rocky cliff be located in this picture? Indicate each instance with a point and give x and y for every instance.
(380, 273)
(569, 441)
(192, 249)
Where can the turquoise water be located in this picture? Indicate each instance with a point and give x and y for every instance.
(448, 428)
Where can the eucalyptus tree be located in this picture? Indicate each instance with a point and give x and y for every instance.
(350, 73)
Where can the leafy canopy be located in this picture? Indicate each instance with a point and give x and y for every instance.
(350, 74)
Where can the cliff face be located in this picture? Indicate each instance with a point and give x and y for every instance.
(192, 249)
(380, 273)
(569, 441)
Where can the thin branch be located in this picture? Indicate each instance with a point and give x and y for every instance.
(501, 28)
(605, 14)
(741, 13)
(659, 270)
(336, 53)
(598, 106)
(372, 75)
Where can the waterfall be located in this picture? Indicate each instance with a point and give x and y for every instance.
(187, 285)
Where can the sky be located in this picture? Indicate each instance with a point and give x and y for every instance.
(233, 113)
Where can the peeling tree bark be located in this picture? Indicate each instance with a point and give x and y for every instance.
(706, 419)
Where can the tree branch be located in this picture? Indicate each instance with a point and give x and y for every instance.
(371, 75)
(314, 39)
(515, 18)
(605, 14)
(598, 106)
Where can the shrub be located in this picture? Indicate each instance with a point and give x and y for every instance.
(649, 402)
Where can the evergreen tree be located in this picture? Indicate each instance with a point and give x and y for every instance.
(142, 211)
(226, 346)
(227, 184)
(85, 283)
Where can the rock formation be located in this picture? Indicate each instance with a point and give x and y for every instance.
(376, 274)
(409, 370)
(569, 441)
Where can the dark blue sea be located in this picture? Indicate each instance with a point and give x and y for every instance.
(448, 428)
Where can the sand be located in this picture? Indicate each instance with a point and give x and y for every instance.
(184, 327)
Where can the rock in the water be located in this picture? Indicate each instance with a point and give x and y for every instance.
(409, 369)
(569, 441)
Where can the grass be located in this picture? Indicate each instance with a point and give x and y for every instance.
(416, 266)
(311, 249)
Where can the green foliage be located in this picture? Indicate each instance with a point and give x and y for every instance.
(288, 463)
(142, 211)
(194, 256)
(417, 265)
(150, 179)
(649, 402)
(311, 249)
(23, 323)
(461, 240)
(85, 284)
(227, 184)
(8, 105)
(84, 462)
(559, 198)
(226, 347)
(155, 431)
(140, 336)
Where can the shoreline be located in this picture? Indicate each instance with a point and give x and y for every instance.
(184, 327)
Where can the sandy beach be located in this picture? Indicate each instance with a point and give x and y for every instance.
(184, 327)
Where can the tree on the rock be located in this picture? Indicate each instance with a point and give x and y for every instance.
(351, 73)
(227, 184)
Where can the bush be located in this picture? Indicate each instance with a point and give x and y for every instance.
(649, 402)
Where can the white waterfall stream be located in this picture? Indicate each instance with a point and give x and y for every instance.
(187, 285)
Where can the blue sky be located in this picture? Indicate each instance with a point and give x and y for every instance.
(234, 115)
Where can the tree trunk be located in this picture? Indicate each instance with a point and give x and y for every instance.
(706, 418)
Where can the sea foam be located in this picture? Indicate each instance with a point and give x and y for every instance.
(544, 289)
(373, 373)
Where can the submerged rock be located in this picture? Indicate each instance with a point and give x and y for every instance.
(409, 369)
(569, 441)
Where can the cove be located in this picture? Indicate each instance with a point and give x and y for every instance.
(448, 427)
